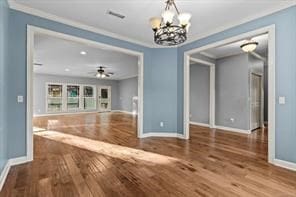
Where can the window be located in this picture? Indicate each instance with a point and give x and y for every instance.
(73, 97)
(89, 99)
(54, 98)
(70, 97)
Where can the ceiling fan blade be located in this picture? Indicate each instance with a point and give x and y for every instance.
(110, 73)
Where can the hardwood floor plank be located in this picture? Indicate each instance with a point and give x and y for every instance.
(98, 154)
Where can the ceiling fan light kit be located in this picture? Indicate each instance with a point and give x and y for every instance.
(102, 74)
(167, 33)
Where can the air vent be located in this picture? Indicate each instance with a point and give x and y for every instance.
(115, 14)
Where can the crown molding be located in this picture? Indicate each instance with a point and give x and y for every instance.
(231, 25)
(32, 11)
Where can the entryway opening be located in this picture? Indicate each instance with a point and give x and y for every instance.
(78, 87)
(235, 101)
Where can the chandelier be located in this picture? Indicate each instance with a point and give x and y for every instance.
(165, 31)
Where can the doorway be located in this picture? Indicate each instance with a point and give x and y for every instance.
(104, 98)
(83, 95)
(270, 30)
(256, 101)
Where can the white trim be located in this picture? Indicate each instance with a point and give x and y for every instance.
(235, 24)
(31, 30)
(233, 129)
(66, 113)
(4, 174)
(18, 160)
(8, 165)
(163, 134)
(200, 124)
(32, 11)
(212, 90)
(271, 81)
(285, 164)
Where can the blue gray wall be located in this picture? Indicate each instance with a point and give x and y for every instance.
(3, 82)
(285, 74)
(232, 92)
(128, 88)
(39, 90)
(199, 93)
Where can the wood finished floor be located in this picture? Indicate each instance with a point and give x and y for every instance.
(99, 155)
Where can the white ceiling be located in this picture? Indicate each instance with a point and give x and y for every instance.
(208, 16)
(234, 48)
(57, 55)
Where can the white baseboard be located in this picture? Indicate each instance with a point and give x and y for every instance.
(122, 111)
(285, 164)
(4, 174)
(9, 164)
(163, 134)
(63, 114)
(199, 124)
(233, 129)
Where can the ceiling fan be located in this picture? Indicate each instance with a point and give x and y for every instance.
(101, 73)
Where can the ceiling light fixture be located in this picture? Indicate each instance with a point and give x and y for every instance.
(249, 46)
(82, 52)
(165, 31)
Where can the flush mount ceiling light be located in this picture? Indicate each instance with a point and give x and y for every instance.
(249, 46)
(165, 31)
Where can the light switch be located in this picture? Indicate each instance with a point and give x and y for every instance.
(282, 100)
(20, 99)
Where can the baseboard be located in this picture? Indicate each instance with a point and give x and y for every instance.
(233, 129)
(63, 114)
(199, 124)
(4, 174)
(285, 164)
(9, 164)
(18, 160)
(122, 111)
(163, 134)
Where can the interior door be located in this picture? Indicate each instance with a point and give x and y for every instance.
(104, 98)
(255, 101)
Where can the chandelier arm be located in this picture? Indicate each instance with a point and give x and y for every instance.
(176, 7)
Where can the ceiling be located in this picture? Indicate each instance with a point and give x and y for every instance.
(234, 48)
(62, 57)
(208, 16)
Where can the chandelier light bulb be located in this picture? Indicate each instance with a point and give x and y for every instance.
(155, 22)
(187, 26)
(184, 18)
(103, 75)
(168, 17)
(98, 75)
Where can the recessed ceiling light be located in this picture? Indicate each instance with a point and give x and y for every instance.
(82, 52)
(67, 69)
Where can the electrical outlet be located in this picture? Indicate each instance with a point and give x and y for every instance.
(232, 120)
(161, 124)
(20, 99)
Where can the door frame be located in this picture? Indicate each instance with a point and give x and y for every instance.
(271, 82)
(261, 124)
(31, 31)
(212, 91)
(98, 104)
